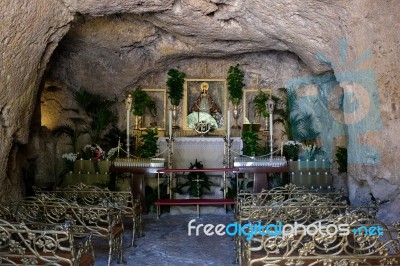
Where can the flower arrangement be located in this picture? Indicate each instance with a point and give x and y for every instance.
(175, 82)
(70, 159)
(93, 152)
(70, 156)
(309, 152)
(112, 153)
(196, 182)
(235, 84)
(291, 149)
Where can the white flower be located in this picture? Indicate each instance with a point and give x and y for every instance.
(70, 156)
(111, 152)
(292, 143)
(93, 148)
(309, 151)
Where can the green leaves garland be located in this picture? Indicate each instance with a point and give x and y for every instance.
(235, 84)
(175, 83)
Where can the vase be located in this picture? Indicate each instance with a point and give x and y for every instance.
(70, 165)
(236, 111)
(138, 122)
(266, 122)
(175, 114)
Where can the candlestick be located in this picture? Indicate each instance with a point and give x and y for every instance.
(271, 133)
(170, 123)
(128, 103)
(228, 124)
(119, 144)
(128, 118)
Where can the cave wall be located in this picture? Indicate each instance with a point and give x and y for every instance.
(157, 35)
(29, 34)
(374, 27)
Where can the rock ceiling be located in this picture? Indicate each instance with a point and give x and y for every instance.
(116, 50)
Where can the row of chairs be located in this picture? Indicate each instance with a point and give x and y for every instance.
(88, 195)
(87, 209)
(285, 207)
(40, 244)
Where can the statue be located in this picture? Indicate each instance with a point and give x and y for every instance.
(204, 109)
(207, 100)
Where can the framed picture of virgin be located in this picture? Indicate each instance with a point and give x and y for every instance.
(204, 100)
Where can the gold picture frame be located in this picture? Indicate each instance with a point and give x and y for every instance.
(249, 115)
(157, 120)
(216, 91)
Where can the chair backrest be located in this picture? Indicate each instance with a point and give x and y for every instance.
(41, 244)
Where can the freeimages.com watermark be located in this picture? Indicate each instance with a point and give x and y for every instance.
(249, 230)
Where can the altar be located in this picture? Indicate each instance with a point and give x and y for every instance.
(209, 150)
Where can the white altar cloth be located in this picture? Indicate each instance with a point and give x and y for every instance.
(208, 150)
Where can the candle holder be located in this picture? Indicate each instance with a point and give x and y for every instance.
(170, 145)
(227, 152)
(236, 111)
(175, 109)
(270, 106)
(128, 105)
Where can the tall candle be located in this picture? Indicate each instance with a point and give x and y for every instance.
(271, 133)
(170, 123)
(128, 103)
(128, 118)
(281, 148)
(119, 144)
(228, 124)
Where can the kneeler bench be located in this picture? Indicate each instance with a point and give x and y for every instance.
(191, 202)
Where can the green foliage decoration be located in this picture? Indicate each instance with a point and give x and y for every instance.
(195, 181)
(175, 82)
(341, 159)
(235, 84)
(149, 143)
(98, 110)
(71, 130)
(260, 107)
(251, 146)
(237, 186)
(141, 101)
(298, 125)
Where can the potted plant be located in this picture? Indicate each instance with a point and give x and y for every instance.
(291, 149)
(175, 82)
(100, 113)
(141, 101)
(235, 84)
(235, 88)
(341, 159)
(297, 124)
(251, 146)
(149, 143)
(260, 108)
(196, 182)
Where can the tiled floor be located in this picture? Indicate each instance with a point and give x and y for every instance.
(166, 242)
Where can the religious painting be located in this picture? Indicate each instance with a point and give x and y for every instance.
(155, 118)
(250, 112)
(204, 100)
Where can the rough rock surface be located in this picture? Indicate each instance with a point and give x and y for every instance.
(115, 45)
